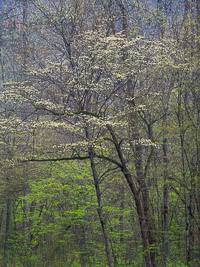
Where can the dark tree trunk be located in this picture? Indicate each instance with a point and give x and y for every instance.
(100, 211)
(7, 232)
(166, 203)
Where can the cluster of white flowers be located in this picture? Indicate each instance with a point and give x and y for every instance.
(145, 142)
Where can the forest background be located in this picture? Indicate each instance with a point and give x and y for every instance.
(100, 133)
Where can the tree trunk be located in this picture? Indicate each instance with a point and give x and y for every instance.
(100, 211)
(121, 217)
(139, 198)
(7, 233)
(166, 203)
(82, 236)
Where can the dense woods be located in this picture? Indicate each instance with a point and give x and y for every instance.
(100, 133)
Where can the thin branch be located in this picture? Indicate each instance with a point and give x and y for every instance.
(72, 158)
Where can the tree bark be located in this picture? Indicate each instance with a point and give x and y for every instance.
(7, 232)
(137, 195)
(100, 211)
(166, 202)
